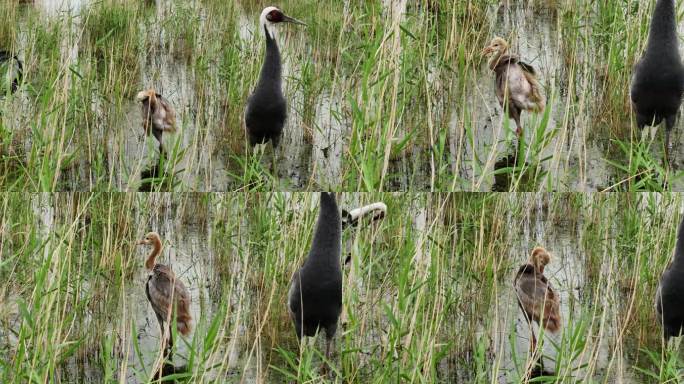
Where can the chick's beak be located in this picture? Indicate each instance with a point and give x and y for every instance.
(292, 20)
(140, 242)
(489, 49)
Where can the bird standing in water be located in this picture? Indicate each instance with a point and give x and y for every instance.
(158, 115)
(658, 80)
(536, 298)
(517, 87)
(266, 108)
(669, 302)
(315, 296)
(166, 293)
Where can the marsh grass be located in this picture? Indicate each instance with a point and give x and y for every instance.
(427, 295)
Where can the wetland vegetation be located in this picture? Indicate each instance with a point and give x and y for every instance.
(427, 293)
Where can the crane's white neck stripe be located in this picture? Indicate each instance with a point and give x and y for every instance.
(263, 22)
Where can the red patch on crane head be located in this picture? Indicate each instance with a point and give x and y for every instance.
(275, 16)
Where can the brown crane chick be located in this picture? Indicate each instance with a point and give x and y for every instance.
(537, 299)
(517, 87)
(158, 115)
(163, 290)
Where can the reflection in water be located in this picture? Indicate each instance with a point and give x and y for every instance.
(509, 173)
(57, 7)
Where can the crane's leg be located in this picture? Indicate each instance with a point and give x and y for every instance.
(166, 346)
(158, 135)
(669, 125)
(325, 367)
(274, 163)
(533, 341)
(329, 342)
(275, 140)
(170, 346)
(515, 114)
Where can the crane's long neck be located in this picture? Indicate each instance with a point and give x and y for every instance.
(494, 60)
(360, 212)
(326, 245)
(270, 71)
(662, 36)
(156, 250)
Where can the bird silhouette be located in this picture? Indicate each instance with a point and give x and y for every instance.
(266, 108)
(166, 293)
(669, 301)
(658, 80)
(315, 296)
(517, 87)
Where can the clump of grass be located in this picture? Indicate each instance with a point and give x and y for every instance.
(8, 34)
(642, 171)
(110, 30)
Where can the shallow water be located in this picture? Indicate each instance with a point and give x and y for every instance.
(574, 165)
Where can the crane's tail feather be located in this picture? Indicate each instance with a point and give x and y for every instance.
(537, 95)
(183, 318)
(184, 327)
(552, 323)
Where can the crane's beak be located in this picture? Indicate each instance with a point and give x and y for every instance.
(288, 19)
(140, 242)
(487, 50)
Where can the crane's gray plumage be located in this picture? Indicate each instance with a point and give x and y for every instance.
(658, 80)
(164, 291)
(158, 115)
(517, 87)
(315, 296)
(266, 108)
(536, 297)
(670, 294)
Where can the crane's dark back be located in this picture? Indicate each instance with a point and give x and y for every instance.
(658, 82)
(670, 300)
(316, 292)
